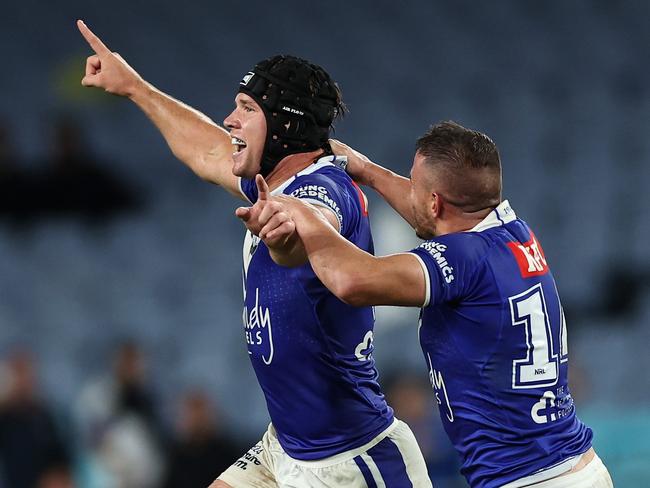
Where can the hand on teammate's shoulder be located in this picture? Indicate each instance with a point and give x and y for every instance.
(356, 162)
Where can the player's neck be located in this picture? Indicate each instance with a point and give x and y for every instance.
(462, 222)
(289, 166)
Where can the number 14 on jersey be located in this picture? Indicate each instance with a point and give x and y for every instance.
(546, 342)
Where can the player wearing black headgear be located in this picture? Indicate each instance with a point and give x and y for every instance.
(300, 102)
(312, 353)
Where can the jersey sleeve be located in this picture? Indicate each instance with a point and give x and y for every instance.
(448, 270)
(324, 191)
(248, 188)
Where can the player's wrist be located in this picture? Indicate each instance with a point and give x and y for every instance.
(138, 90)
(365, 173)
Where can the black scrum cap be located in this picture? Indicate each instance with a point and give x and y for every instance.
(300, 101)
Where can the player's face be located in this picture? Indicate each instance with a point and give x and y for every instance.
(247, 126)
(422, 199)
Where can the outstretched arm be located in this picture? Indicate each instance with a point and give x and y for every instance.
(193, 138)
(393, 188)
(285, 246)
(355, 276)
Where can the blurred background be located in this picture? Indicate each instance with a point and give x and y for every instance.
(122, 358)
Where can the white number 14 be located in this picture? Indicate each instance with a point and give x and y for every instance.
(539, 367)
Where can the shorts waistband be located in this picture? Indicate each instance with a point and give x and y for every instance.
(546, 474)
(347, 455)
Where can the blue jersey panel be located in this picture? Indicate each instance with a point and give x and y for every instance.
(494, 339)
(312, 353)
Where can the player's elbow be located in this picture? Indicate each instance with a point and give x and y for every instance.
(199, 165)
(198, 162)
(352, 291)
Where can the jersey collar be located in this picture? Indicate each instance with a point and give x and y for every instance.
(501, 215)
(312, 168)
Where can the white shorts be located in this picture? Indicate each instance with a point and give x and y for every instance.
(392, 460)
(593, 475)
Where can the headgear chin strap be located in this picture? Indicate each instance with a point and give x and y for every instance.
(299, 101)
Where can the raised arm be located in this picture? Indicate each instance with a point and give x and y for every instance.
(193, 138)
(355, 276)
(393, 188)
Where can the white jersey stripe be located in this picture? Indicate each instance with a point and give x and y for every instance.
(427, 280)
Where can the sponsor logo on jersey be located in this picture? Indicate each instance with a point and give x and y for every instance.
(552, 406)
(440, 390)
(530, 257)
(437, 252)
(257, 326)
(363, 351)
(321, 194)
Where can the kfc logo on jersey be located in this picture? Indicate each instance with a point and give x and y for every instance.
(530, 257)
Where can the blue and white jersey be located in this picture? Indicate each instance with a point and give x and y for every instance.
(494, 338)
(311, 352)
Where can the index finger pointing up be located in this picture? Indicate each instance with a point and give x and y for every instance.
(95, 42)
(262, 188)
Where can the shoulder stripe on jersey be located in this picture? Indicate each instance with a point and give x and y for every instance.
(427, 280)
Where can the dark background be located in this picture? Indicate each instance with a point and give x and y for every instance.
(108, 244)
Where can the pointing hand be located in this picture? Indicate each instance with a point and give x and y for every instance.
(106, 69)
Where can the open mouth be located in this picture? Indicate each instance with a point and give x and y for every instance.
(238, 144)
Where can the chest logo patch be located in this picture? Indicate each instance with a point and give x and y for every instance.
(530, 257)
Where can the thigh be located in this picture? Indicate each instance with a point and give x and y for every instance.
(252, 470)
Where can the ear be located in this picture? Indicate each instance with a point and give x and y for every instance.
(437, 204)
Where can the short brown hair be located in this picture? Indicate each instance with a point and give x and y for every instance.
(467, 163)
